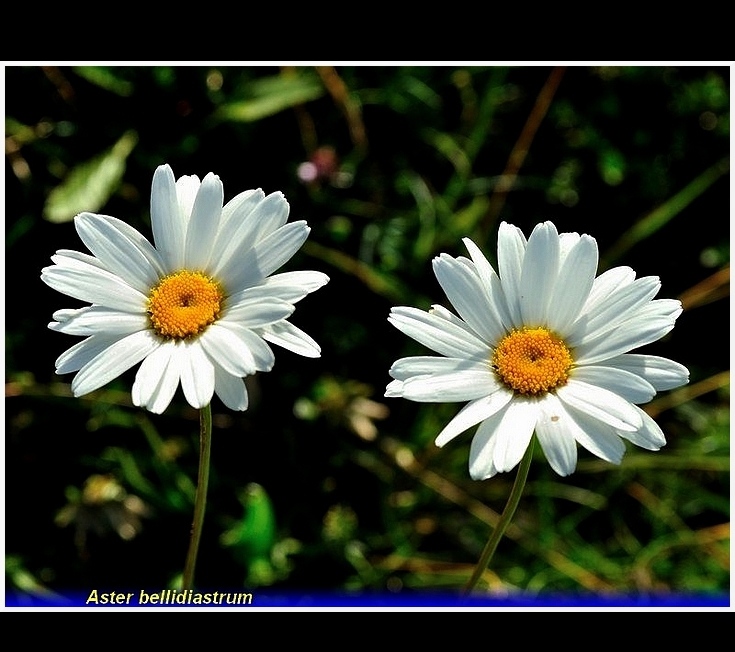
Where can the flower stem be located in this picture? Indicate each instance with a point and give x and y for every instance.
(200, 501)
(505, 519)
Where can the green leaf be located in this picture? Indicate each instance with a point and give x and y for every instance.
(272, 95)
(89, 185)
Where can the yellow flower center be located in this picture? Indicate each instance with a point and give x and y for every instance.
(532, 361)
(183, 304)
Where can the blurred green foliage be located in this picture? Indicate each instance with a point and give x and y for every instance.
(323, 484)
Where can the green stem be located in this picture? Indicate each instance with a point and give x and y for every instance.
(200, 501)
(505, 519)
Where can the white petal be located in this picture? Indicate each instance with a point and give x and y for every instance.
(620, 306)
(187, 188)
(648, 436)
(661, 308)
(294, 286)
(629, 335)
(263, 291)
(279, 247)
(265, 257)
(95, 319)
(240, 206)
(94, 285)
(70, 258)
(474, 412)
(197, 373)
(464, 385)
(253, 341)
(630, 386)
(65, 315)
(605, 284)
(75, 357)
(482, 448)
(394, 389)
(121, 249)
(227, 350)
(514, 432)
(601, 404)
(468, 297)
(567, 242)
(508, 310)
(167, 222)
(539, 273)
(662, 373)
(422, 365)
(447, 315)
(285, 334)
(203, 223)
(597, 437)
(246, 220)
(236, 228)
(256, 312)
(576, 277)
(438, 334)
(113, 361)
(270, 215)
(484, 269)
(157, 379)
(230, 389)
(555, 430)
(490, 282)
(511, 250)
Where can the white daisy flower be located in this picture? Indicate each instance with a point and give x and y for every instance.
(540, 347)
(198, 309)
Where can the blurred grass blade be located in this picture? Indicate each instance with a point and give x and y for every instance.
(417, 186)
(89, 185)
(272, 95)
(713, 288)
(105, 77)
(658, 218)
(380, 283)
(17, 576)
(688, 393)
(466, 219)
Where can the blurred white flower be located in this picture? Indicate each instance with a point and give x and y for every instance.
(540, 347)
